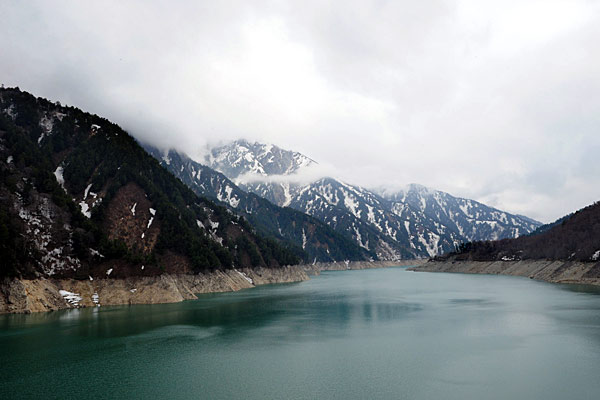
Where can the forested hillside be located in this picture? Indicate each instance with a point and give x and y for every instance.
(575, 237)
(320, 242)
(79, 197)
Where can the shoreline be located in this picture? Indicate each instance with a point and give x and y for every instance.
(315, 269)
(541, 270)
(48, 294)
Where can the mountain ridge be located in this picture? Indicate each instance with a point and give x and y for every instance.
(321, 243)
(414, 223)
(574, 237)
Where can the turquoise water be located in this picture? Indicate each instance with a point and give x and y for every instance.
(371, 334)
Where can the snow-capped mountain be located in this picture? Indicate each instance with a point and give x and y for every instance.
(318, 240)
(242, 157)
(414, 222)
(472, 220)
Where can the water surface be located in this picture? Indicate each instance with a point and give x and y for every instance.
(371, 334)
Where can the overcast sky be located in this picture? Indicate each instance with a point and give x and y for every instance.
(498, 101)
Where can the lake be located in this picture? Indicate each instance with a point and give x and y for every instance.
(370, 334)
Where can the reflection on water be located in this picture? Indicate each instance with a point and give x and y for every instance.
(352, 334)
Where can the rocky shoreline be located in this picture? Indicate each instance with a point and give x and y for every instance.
(315, 269)
(39, 295)
(542, 270)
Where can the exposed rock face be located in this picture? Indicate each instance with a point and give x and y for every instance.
(543, 270)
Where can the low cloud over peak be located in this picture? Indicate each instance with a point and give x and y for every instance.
(494, 101)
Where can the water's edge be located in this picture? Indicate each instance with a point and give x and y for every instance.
(541, 270)
(40, 295)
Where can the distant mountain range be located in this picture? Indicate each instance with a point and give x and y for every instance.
(411, 223)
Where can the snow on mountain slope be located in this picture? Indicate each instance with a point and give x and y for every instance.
(318, 240)
(414, 222)
(242, 157)
(469, 219)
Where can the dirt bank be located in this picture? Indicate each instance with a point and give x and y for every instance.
(315, 269)
(543, 270)
(37, 295)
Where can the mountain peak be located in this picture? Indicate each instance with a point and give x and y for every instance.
(406, 222)
(242, 157)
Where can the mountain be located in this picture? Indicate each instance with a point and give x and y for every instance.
(318, 240)
(411, 223)
(80, 198)
(470, 219)
(242, 157)
(547, 227)
(575, 237)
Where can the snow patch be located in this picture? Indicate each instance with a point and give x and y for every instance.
(46, 123)
(71, 298)
(431, 245)
(58, 173)
(133, 209)
(85, 209)
(216, 238)
(246, 277)
(87, 190)
(109, 272)
(96, 253)
(596, 255)
(228, 198)
(9, 159)
(351, 204)
(96, 299)
(10, 111)
(359, 239)
(370, 214)
(286, 193)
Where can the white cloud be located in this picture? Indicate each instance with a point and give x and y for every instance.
(492, 100)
